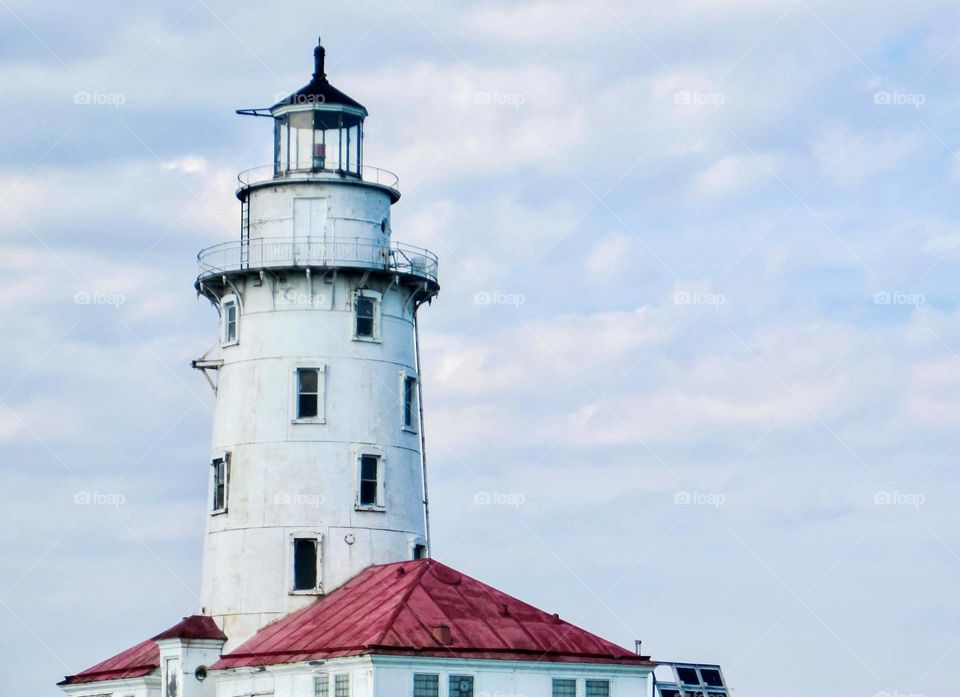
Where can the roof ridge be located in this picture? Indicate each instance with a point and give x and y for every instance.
(388, 625)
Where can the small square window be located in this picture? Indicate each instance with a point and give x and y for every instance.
(688, 676)
(712, 677)
(366, 311)
(305, 564)
(426, 685)
(341, 686)
(597, 688)
(461, 686)
(369, 493)
(230, 322)
(221, 478)
(564, 687)
(419, 551)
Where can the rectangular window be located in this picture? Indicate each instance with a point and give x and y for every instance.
(461, 686)
(597, 688)
(564, 687)
(369, 480)
(365, 310)
(409, 402)
(321, 685)
(308, 393)
(304, 564)
(229, 322)
(220, 480)
(426, 685)
(341, 686)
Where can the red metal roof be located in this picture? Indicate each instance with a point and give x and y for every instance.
(423, 608)
(144, 658)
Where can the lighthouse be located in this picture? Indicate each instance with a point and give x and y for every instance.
(316, 465)
(317, 575)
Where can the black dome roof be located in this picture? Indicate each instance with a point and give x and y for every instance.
(319, 90)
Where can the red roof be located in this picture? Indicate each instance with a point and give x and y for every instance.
(422, 608)
(144, 658)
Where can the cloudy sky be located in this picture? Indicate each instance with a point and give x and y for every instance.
(693, 374)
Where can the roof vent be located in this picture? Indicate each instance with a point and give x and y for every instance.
(401, 571)
(504, 610)
(442, 634)
(556, 619)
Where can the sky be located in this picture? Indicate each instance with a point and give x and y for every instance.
(693, 373)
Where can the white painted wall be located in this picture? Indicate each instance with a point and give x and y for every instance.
(392, 676)
(288, 477)
(147, 686)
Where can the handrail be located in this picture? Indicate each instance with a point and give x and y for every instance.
(267, 173)
(329, 252)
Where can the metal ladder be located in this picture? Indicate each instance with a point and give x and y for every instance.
(245, 232)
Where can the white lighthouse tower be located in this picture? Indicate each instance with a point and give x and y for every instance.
(316, 464)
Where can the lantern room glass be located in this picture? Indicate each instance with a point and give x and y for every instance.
(317, 140)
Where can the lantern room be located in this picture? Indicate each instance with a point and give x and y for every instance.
(318, 128)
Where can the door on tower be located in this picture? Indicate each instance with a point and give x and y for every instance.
(309, 230)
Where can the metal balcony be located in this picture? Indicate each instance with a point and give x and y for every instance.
(315, 252)
(269, 173)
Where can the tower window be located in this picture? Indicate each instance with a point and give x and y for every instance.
(409, 402)
(597, 688)
(341, 686)
(221, 477)
(461, 686)
(230, 322)
(419, 551)
(369, 493)
(308, 393)
(366, 311)
(426, 685)
(564, 687)
(305, 564)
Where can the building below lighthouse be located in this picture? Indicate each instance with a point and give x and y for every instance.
(317, 575)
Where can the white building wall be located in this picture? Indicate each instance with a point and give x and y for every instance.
(383, 676)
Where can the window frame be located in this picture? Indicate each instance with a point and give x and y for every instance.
(377, 298)
(555, 680)
(413, 426)
(428, 675)
(217, 462)
(337, 678)
(321, 417)
(233, 302)
(380, 504)
(473, 683)
(605, 681)
(324, 680)
(317, 538)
